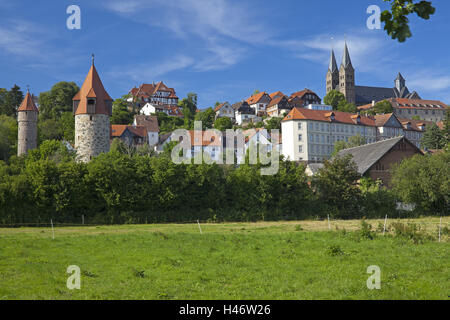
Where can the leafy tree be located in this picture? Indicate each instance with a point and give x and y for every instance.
(8, 137)
(120, 112)
(207, 118)
(53, 103)
(396, 22)
(223, 123)
(50, 129)
(273, 123)
(381, 107)
(10, 100)
(337, 189)
(344, 106)
(189, 102)
(433, 138)
(425, 182)
(334, 98)
(67, 123)
(256, 92)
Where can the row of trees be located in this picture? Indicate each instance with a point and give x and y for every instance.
(121, 187)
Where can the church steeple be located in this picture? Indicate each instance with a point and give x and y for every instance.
(346, 61)
(332, 74)
(347, 77)
(333, 65)
(400, 82)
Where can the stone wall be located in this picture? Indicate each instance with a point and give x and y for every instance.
(92, 134)
(27, 135)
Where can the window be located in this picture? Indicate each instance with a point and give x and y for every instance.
(300, 137)
(300, 148)
(317, 127)
(299, 126)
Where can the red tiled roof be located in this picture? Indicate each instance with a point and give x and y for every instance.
(404, 103)
(206, 141)
(381, 119)
(219, 106)
(301, 93)
(92, 88)
(256, 98)
(28, 104)
(277, 93)
(118, 129)
(324, 115)
(416, 123)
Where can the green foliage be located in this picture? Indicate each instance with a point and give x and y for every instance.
(336, 185)
(425, 182)
(377, 199)
(223, 123)
(344, 106)
(168, 123)
(10, 100)
(190, 102)
(381, 107)
(8, 137)
(334, 98)
(433, 138)
(410, 231)
(366, 230)
(273, 123)
(120, 112)
(396, 22)
(53, 103)
(207, 118)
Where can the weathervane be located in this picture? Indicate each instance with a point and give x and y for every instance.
(93, 57)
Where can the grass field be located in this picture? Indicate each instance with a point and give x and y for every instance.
(283, 260)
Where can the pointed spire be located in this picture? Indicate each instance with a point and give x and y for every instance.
(28, 103)
(92, 88)
(333, 65)
(346, 58)
(400, 77)
(93, 58)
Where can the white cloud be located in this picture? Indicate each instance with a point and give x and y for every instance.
(220, 27)
(17, 37)
(365, 50)
(143, 72)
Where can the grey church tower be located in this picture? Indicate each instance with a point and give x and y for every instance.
(332, 74)
(27, 116)
(347, 77)
(92, 107)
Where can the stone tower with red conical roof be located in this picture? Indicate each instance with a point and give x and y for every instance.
(27, 116)
(92, 107)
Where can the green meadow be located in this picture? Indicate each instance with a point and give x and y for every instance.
(279, 260)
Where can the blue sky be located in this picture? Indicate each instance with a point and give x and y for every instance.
(221, 49)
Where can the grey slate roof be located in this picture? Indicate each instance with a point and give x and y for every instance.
(365, 95)
(367, 155)
(315, 167)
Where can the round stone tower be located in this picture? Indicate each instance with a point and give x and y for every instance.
(27, 116)
(92, 107)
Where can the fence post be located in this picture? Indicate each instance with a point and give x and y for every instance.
(329, 225)
(384, 229)
(53, 231)
(82, 219)
(440, 226)
(198, 222)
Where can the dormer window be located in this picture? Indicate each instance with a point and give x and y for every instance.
(90, 105)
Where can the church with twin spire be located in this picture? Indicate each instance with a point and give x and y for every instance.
(343, 80)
